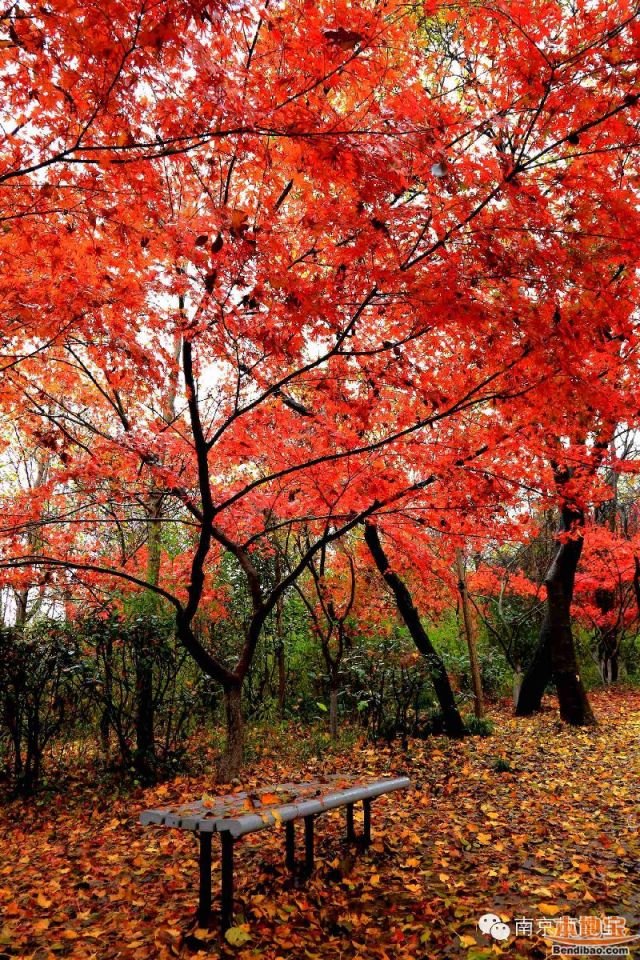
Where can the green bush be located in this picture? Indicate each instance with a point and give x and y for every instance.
(479, 727)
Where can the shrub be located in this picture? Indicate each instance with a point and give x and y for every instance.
(39, 671)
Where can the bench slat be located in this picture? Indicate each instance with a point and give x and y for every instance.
(211, 817)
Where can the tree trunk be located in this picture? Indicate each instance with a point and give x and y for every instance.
(574, 705)
(608, 648)
(13, 721)
(107, 699)
(22, 604)
(555, 657)
(145, 754)
(476, 678)
(538, 675)
(609, 667)
(608, 644)
(282, 674)
(145, 759)
(231, 759)
(517, 683)
(31, 774)
(452, 720)
(282, 680)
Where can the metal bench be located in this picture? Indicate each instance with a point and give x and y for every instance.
(237, 814)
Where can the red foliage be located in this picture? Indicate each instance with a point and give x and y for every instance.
(381, 259)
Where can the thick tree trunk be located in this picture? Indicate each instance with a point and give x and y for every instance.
(231, 760)
(538, 675)
(453, 724)
(574, 705)
(613, 668)
(555, 657)
(517, 683)
(476, 678)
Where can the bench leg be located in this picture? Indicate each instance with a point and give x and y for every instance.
(367, 821)
(308, 843)
(290, 849)
(226, 907)
(204, 900)
(351, 833)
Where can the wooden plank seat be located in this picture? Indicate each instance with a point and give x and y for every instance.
(237, 814)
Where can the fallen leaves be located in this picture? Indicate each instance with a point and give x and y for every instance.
(237, 936)
(81, 879)
(549, 909)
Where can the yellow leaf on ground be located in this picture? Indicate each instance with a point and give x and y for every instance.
(549, 909)
(237, 936)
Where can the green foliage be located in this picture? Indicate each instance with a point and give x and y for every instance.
(502, 765)
(134, 671)
(386, 685)
(479, 726)
(119, 678)
(630, 656)
(39, 671)
(512, 627)
(300, 742)
(495, 672)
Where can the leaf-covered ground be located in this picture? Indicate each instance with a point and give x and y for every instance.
(555, 834)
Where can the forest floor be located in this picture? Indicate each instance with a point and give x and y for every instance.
(537, 821)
